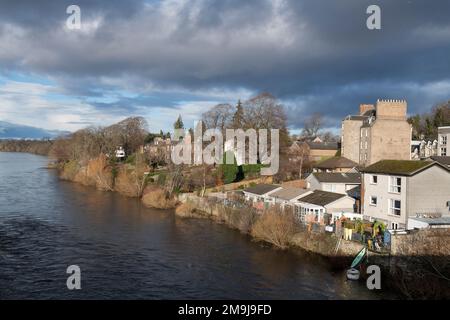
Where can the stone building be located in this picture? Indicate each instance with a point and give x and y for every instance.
(443, 141)
(379, 132)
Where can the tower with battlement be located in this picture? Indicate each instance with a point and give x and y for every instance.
(379, 132)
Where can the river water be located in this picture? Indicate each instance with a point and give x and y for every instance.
(127, 251)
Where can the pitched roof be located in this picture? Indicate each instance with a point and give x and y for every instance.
(442, 160)
(336, 162)
(322, 145)
(288, 193)
(261, 189)
(321, 198)
(400, 167)
(352, 177)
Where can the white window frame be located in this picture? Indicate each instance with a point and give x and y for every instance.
(395, 188)
(394, 226)
(444, 140)
(371, 201)
(393, 208)
(372, 181)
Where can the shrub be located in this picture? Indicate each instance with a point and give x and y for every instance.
(241, 219)
(69, 170)
(125, 183)
(276, 227)
(158, 198)
(229, 171)
(186, 210)
(99, 173)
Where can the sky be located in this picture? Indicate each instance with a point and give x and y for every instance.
(159, 59)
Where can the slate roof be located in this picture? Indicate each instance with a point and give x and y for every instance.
(261, 189)
(329, 177)
(400, 167)
(322, 145)
(441, 159)
(336, 162)
(321, 198)
(288, 193)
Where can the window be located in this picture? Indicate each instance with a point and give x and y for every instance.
(374, 179)
(373, 201)
(365, 156)
(394, 207)
(394, 225)
(395, 184)
(444, 152)
(365, 145)
(444, 140)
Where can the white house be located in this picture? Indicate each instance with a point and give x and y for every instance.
(444, 141)
(261, 193)
(120, 153)
(312, 206)
(333, 182)
(394, 190)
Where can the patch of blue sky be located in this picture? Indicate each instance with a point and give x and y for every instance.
(7, 76)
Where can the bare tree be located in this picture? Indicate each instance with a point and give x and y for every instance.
(219, 117)
(312, 126)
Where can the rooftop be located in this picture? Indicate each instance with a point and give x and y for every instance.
(441, 159)
(435, 221)
(338, 177)
(355, 118)
(336, 162)
(322, 145)
(288, 193)
(321, 198)
(261, 189)
(399, 167)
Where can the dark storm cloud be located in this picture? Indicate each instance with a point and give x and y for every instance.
(315, 55)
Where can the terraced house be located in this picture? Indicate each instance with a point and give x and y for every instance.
(393, 191)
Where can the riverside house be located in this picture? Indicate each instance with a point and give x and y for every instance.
(333, 182)
(312, 207)
(287, 196)
(336, 164)
(395, 190)
(259, 195)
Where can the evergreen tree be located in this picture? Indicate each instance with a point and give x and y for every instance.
(229, 171)
(238, 117)
(179, 123)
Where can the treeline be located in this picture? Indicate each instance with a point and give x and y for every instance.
(425, 125)
(41, 147)
(89, 143)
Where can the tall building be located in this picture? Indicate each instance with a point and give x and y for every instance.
(379, 132)
(443, 141)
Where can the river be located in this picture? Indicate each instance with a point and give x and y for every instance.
(127, 251)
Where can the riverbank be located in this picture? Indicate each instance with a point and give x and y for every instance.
(415, 269)
(396, 270)
(128, 251)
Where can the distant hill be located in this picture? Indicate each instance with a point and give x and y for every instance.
(17, 131)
